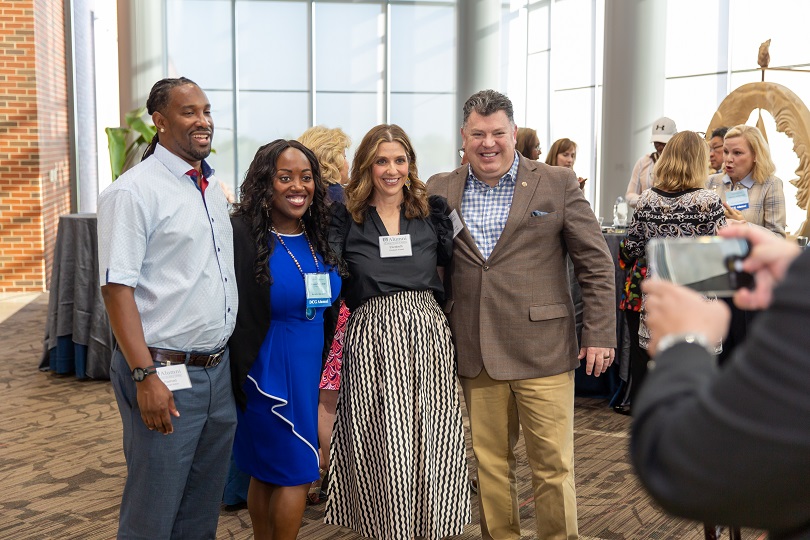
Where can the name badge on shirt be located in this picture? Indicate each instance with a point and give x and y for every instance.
(457, 224)
(737, 199)
(319, 290)
(175, 376)
(395, 246)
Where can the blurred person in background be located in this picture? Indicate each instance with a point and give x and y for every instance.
(563, 153)
(329, 146)
(678, 206)
(643, 176)
(751, 194)
(716, 157)
(528, 143)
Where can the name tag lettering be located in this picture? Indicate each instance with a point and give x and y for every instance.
(395, 246)
(737, 199)
(175, 377)
(319, 290)
(457, 223)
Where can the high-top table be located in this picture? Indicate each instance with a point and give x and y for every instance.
(78, 338)
(609, 384)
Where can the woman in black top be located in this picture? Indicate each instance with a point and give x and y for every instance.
(398, 465)
(677, 206)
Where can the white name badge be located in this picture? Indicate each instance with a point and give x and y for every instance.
(737, 199)
(175, 377)
(319, 290)
(395, 246)
(457, 224)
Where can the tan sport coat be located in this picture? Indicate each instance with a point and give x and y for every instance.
(512, 313)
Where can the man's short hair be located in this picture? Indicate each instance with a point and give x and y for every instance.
(720, 132)
(488, 102)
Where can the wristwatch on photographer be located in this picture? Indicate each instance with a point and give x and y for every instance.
(695, 338)
(139, 373)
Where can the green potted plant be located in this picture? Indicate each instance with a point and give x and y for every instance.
(125, 143)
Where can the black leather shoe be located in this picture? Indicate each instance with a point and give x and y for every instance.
(623, 409)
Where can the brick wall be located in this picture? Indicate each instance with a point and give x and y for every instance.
(34, 152)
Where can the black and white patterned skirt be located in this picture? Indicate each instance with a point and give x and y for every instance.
(398, 463)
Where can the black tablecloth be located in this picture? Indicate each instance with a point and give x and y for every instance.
(608, 384)
(78, 338)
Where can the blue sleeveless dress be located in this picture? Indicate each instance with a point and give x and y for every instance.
(277, 434)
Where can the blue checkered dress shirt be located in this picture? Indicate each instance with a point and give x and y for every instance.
(485, 208)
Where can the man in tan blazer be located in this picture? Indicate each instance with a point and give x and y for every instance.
(512, 318)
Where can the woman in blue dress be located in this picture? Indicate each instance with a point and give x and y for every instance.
(287, 276)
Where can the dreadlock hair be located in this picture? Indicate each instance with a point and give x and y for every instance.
(255, 207)
(157, 102)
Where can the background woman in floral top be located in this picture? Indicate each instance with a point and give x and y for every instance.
(677, 206)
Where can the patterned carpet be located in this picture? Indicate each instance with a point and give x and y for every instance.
(62, 469)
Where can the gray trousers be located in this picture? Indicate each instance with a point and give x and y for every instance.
(175, 482)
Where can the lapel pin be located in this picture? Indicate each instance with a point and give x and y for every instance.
(524, 184)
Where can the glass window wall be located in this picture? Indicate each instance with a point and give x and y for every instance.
(273, 68)
(710, 56)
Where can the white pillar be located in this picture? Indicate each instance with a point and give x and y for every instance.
(479, 49)
(633, 95)
(141, 51)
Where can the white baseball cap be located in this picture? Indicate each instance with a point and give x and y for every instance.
(662, 130)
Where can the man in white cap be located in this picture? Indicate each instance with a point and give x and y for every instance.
(642, 178)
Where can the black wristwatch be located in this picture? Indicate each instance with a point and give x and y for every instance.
(139, 373)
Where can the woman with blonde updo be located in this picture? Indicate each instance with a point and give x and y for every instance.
(329, 146)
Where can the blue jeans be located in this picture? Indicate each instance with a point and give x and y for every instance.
(175, 482)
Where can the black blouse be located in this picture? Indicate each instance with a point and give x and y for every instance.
(371, 275)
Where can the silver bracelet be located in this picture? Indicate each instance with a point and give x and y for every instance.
(670, 340)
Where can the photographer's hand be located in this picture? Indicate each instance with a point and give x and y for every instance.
(768, 261)
(674, 309)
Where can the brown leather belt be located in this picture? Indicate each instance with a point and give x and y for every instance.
(167, 356)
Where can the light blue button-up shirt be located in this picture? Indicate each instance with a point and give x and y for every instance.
(485, 209)
(158, 233)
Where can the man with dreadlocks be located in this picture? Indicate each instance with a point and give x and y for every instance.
(167, 277)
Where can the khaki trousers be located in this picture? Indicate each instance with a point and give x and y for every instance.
(544, 408)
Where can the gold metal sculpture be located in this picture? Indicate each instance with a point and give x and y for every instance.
(790, 113)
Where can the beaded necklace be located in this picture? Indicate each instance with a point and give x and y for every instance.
(310, 312)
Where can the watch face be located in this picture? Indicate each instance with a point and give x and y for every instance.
(139, 374)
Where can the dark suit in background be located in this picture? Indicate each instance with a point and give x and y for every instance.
(733, 446)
